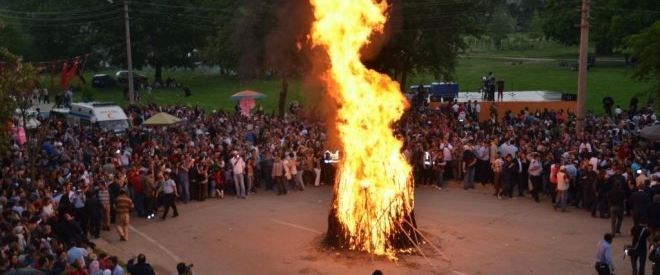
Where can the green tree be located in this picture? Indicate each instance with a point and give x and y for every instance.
(501, 25)
(560, 21)
(610, 21)
(524, 11)
(645, 47)
(17, 81)
(425, 37)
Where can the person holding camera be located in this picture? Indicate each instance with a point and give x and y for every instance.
(638, 250)
(141, 267)
(654, 255)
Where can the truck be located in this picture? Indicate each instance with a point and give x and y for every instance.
(107, 116)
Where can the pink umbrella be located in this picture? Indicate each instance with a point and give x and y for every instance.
(247, 94)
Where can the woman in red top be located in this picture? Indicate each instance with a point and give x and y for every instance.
(217, 179)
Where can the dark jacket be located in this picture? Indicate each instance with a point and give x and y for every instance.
(654, 215)
(640, 202)
(615, 197)
(139, 268)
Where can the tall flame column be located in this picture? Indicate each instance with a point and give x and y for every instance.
(373, 196)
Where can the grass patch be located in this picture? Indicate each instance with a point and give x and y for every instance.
(212, 91)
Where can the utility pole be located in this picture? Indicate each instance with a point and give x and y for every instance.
(582, 73)
(129, 57)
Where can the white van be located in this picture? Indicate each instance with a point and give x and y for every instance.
(106, 115)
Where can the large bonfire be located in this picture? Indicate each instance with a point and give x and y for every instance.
(372, 208)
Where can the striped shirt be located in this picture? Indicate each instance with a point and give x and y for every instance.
(104, 197)
(123, 204)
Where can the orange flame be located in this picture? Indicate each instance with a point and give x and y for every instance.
(373, 190)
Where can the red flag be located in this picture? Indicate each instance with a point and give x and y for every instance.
(63, 76)
(73, 71)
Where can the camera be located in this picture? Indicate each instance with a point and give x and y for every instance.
(184, 269)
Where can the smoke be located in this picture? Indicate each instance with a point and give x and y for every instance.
(279, 43)
(290, 53)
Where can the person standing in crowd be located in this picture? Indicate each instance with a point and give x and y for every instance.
(554, 170)
(562, 189)
(615, 202)
(654, 255)
(278, 175)
(640, 203)
(115, 267)
(249, 168)
(654, 215)
(150, 191)
(469, 163)
(296, 172)
(640, 234)
(136, 184)
(317, 170)
(509, 175)
(169, 193)
(141, 267)
(123, 206)
(448, 158)
(114, 189)
(439, 165)
(603, 187)
(523, 177)
(217, 180)
(482, 172)
(78, 199)
(588, 182)
(497, 166)
(104, 198)
(238, 168)
(535, 171)
(183, 170)
(93, 211)
(604, 261)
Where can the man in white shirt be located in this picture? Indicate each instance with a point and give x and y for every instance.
(446, 155)
(535, 171)
(238, 167)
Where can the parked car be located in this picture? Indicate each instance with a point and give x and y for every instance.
(122, 78)
(102, 81)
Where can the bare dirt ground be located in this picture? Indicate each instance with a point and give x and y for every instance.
(269, 234)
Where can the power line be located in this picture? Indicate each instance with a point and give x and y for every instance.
(47, 24)
(53, 13)
(176, 6)
(59, 19)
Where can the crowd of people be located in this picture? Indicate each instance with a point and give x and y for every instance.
(80, 181)
(607, 170)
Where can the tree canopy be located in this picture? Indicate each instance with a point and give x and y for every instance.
(610, 21)
(645, 48)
